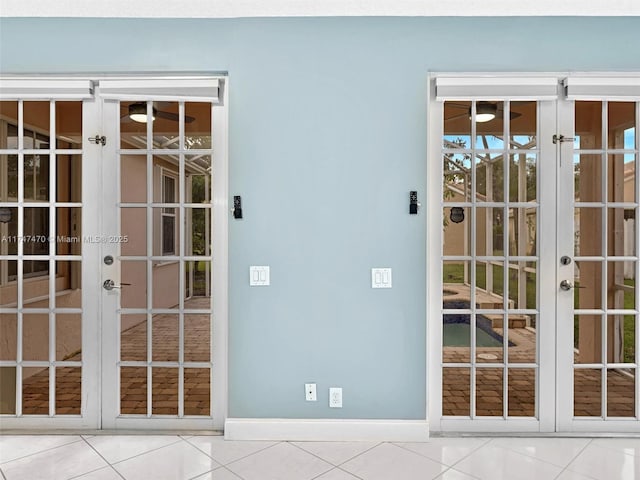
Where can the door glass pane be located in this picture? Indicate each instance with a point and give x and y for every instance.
(133, 124)
(523, 177)
(587, 392)
(522, 392)
(621, 122)
(133, 337)
(522, 338)
(197, 338)
(133, 179)
(164, 391)
(197, 391)
(457, 125)
(456, 389)
(8, 336)
(69, 125)
(587, 173)
(197, 125)
(588, 124)
(36, 178)
(8, 390)
(36, 119)
(35, 336)
(490, 231)
(456, 338)
(588, 231)
(621, 393)
(457, 177)
(490, 177)
(35, 390)
(133, 390)
(489, 119)
(68, 390)
(523, 127)
(489, 392)
(133, 295)
(587, 341)
(456, 231)
(68, 231)
(588, 278)
(165, 338)
(133, 228)
(69, 337)
(166, 125)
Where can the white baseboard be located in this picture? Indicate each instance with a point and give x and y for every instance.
(284, 429)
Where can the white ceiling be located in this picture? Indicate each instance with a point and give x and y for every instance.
(314, 8)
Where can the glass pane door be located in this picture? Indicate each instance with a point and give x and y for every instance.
(161, 300)
(605, 268)
(490, 260)
(43, 362)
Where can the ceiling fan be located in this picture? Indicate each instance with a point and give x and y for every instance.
(485, 111)
(137, 112)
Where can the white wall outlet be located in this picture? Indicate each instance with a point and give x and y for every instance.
(259, 276)
(310, 392)
(380, 278)
(335, 397)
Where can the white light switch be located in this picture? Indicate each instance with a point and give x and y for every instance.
(380, 278)
(259, 276)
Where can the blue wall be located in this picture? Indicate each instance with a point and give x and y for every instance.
(327, 136)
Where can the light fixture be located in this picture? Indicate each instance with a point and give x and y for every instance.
(138, 112)
(485, 112)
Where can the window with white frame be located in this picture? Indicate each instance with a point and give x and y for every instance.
(168, 219)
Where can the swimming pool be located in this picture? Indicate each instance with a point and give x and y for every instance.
(456, 331)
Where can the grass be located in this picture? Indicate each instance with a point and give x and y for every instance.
(454, 273)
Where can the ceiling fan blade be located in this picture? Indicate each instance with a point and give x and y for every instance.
(167, 115)
(455, 117)
(173, 116)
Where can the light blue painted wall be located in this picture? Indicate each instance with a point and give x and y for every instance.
(327, 136)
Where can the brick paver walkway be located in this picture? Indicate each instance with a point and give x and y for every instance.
(164, 395)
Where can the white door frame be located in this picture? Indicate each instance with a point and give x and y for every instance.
(219, 281)
(555, 394)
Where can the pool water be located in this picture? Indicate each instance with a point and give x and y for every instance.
(458, 335)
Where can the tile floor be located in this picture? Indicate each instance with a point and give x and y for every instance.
(173, 457)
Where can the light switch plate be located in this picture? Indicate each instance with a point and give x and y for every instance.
(380, 278)
(259, 276)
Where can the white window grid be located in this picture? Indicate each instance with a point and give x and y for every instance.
(180, 154)
(20, 309)
(605, 312)
(504, 260)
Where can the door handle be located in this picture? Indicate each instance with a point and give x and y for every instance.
(110, 285)
(566, 285)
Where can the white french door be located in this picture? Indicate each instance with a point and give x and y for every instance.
(597, 265)
(535, 297)
(113, 224)
(164, 260)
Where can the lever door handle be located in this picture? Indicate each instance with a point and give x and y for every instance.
(110, 285)
(566, 285)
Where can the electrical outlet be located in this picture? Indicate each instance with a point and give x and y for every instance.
(335, 397)
(310, 392)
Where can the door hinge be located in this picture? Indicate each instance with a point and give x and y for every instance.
(98, 140)
(562, 139)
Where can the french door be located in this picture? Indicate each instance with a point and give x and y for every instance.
(116, 244)
(538, 257)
